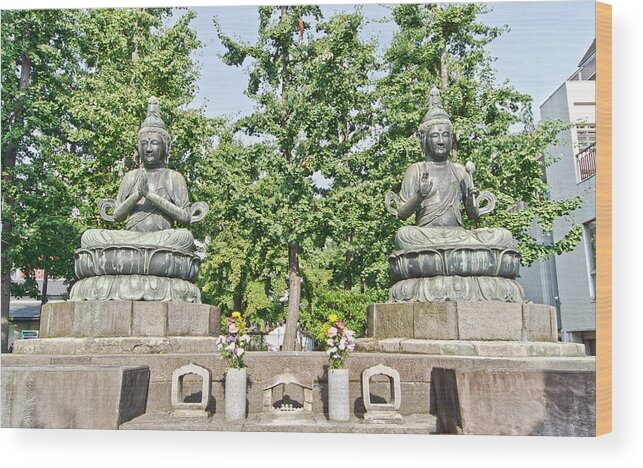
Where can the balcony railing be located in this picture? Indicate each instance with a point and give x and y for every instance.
(586, 162)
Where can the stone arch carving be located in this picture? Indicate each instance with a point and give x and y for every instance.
(181, 408)
(382, 411)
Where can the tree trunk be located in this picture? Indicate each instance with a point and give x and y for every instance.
(294, 297)
(238, 296)
(348, 258)
(45, 285)
(7, 202)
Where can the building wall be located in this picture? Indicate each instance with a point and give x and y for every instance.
(577, 104)
(573, 102)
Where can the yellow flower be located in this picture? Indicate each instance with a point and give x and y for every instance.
(236, 314)
(333, 318)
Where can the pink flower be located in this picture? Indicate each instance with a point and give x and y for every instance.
(339, 325)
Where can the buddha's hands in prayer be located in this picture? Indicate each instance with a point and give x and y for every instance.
(143, 186)
(425, 184)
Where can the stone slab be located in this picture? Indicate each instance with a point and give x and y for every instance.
(390, 320)
(544, 403)
(117, 345)
(149, 318)
(73, 397)
(471, 347)
(435, 320)
(462, 320)
(539, 323)
(102, 319)
(412, 424)
(500, 321)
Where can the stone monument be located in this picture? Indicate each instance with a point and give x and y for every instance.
(150, 260)
(437, 259)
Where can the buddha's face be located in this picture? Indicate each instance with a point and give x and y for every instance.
(436, 143)
(152, 150)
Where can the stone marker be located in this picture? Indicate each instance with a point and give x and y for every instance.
(73, 397)
(382, 412)
(181, 408)
(542, 402)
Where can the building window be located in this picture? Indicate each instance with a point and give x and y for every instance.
(590, 253)
(585, 135)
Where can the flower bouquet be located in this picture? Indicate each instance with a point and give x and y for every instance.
(232, 344)
(339, 340)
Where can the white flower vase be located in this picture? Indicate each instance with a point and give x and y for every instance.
(235, 394)
(338, 395)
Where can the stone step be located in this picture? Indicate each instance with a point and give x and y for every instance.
(471, 348)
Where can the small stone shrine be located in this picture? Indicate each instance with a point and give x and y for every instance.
(382, 412)
(149, 260)
(185, 409)
(282, 407)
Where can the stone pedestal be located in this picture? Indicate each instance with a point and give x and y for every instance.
(483, 328)
(451, 320)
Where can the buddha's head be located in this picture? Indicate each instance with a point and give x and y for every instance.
(435, 130)
(153, 138)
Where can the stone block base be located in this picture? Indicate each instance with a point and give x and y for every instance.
(544, 402)
(97, 319)
(463, 320)
(78, 397)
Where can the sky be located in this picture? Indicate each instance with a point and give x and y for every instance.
(542, 49)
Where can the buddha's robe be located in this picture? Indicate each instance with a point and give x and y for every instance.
(438, 218)
(147, 225)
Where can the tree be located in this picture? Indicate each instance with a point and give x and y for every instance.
(286, 213)
(39, 62)
(75, 87)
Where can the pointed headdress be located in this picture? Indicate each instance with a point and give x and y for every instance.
(154, 123)
(436, 113)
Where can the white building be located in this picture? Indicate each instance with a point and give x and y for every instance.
(568, 281)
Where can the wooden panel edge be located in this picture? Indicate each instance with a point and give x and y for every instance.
(603, 218)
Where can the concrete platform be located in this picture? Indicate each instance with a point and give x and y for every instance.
(412, 424)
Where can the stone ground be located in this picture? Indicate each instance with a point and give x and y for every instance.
(412, 424)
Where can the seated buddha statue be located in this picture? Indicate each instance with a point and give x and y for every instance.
(150, 259)
(438, 259)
